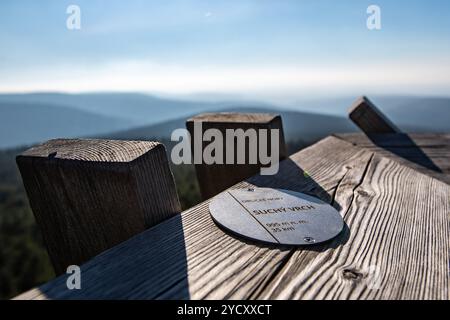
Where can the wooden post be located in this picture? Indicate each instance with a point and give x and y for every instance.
(369, 118)
(214, 178)
(89, 195)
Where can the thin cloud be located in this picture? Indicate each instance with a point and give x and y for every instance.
(176, 79)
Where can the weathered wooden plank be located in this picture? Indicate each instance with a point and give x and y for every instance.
(216, 177)
(188, 256)
(398, 246)
(369, 118)
(426, 153)
(89, 195)
(397, 227)
(433, 140)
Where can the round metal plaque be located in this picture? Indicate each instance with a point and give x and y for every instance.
(276, 216)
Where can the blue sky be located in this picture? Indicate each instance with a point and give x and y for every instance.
(248, 47)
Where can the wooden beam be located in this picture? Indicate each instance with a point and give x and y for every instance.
(369, 118)
(214, 178)
(89, 195)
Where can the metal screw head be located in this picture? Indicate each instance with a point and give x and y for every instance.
(309, 239)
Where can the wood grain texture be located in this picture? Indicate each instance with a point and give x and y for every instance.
(89, 195)
(426, 153)
(424, 140)
(398, 246)
(214, 178)
(397, 226)
(220, 117)
(369, 118)
(188, 256)
(91, 150)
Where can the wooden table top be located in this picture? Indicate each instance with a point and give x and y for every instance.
(395, 244)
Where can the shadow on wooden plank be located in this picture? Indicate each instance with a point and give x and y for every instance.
(402, 145)
(122, 272)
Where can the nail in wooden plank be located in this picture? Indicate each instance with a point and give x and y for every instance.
(89, 195)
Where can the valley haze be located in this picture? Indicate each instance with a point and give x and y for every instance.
(31, 118)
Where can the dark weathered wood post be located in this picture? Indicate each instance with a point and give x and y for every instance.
(89, 195)
(214, 178)
(369, 118)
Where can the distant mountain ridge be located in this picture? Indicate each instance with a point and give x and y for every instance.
(136, 108)
(30, 118)
(411, 114)
(297, 126)
(28, 123)
(419, 114)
